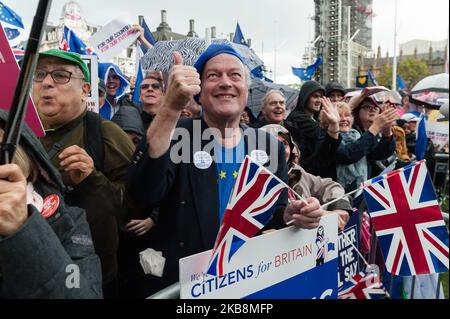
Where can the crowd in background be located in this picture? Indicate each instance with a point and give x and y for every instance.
(335, 139)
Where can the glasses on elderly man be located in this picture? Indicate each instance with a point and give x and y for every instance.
(155, 86)
(58, 76)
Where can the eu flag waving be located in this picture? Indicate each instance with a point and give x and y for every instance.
(372, 78)
(400, 83)
(72, 43)
(305, 74)
(11, 34)
(239, 37)
(422, 139)
(148, 36)
(9, 16)
(140, 53)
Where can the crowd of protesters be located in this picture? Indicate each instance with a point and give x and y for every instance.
(118, 204)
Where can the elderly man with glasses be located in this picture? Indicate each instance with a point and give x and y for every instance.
(60, 89)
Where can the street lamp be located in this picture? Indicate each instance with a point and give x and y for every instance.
(394, 71)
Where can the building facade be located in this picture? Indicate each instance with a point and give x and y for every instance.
(434, 56)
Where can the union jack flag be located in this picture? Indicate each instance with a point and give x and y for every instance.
(250, 207)
(363, 286)
(408, 221)
(18, 51)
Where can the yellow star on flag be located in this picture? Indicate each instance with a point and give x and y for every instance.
(223, 175)
(235, 174)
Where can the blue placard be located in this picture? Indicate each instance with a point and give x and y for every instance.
(348, 257)
(317, 283)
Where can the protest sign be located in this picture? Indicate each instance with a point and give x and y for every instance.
(278, 265)
(112, 39)
(437, 132)
(92, 100)
(9, 75)
(348, 257)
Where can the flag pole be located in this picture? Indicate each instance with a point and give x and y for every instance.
(14, 123)
(394, 72)
(349, 46)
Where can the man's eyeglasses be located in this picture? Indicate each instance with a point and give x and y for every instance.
(58, 76)
(155, 86)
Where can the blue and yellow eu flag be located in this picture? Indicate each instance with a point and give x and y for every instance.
(306, 74)
(239, 37)
(9, 16)
(11, 34)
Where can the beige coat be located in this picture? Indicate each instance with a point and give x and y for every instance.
(324, 189)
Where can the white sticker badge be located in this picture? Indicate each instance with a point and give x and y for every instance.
(259, 157)
(202, 160)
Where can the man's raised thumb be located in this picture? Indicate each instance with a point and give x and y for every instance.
(178, 59)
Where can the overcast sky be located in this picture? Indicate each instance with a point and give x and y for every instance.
(281, 26)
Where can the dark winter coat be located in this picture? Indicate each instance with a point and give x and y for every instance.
(40, 258)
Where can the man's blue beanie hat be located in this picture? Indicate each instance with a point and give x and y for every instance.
(212, 51)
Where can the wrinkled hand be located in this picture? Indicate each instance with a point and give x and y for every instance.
(139, 227)
(13, 199)
(183, 85)
(76, 162)
(304, 214)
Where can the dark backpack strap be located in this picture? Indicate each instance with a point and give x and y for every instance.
(93, 139)
(58, 146)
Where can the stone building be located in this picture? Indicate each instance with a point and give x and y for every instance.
(434, 56)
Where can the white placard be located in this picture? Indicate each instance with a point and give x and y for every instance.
(438, 133)
(92, 100)
(268, 266)
(112, 39)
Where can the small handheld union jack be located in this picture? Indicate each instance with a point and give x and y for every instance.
(408, 221)
(18, 52)
(250, 207)
(363, 286)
